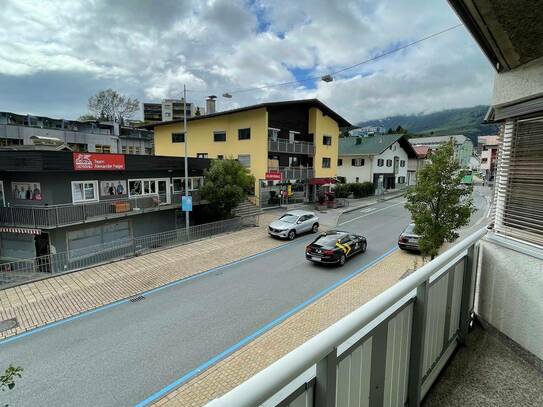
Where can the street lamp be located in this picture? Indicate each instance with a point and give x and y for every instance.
(187, 215)
(327, 78)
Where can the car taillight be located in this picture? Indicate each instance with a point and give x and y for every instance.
(328, 252)
(404, 239)
(308, 249)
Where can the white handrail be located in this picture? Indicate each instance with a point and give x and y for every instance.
(269, 381)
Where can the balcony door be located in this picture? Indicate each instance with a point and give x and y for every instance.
(164, 190)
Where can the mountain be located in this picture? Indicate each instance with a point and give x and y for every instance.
(466, 121)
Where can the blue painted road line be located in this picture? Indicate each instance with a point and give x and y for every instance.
(217, 358)
(148, 292)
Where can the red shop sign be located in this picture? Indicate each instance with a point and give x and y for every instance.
(98, 162)
(273, 176)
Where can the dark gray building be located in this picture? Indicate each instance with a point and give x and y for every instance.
(54, 201)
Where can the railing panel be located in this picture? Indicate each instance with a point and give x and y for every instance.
(456, 300)
(353, 377)
(435, 323)
(397, 358)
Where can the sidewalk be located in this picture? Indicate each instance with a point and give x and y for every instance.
(56, 298)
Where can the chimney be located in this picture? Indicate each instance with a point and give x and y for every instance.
(210, 104)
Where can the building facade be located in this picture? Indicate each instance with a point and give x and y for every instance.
(52, 202)
(489, 156)
(167, 109)
(82, 136)
(291, 145)
(367, 131)
(463, 146)
(380, 159)
(415, 164)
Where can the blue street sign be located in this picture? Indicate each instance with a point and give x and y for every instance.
(186, 203)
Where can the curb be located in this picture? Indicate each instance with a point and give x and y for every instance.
(371, 203)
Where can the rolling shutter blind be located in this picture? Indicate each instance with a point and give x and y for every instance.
(519, 184)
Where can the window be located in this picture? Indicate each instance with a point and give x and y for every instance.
(244, 134)
(123, 149)
(326, 162)
(148, 151)
(380, 162)
(220, 157)
(219, 136)
(6, 142)
(137, 150)
(130, 149)
(484, 160)
(327, 140)
(401, 180)
(402, 163)
(357, 180)
(148, 186)
(389, 163)
(84, 191)
(518, 187)
(102, 148)
(273, 134)
(293, 161)
(357, 162)
(79, 147)
(339, 162)
(292, 136)
(178, 137)
(194, 183)
(245, 160)
(201, 155)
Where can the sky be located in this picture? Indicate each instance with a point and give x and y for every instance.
(57, 53)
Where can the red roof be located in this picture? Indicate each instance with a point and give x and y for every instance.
(422, 151)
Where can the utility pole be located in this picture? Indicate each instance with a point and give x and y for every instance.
(187, 220)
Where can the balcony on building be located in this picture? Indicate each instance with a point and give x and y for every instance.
(290, 142)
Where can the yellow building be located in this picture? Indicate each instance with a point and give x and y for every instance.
(291, 145)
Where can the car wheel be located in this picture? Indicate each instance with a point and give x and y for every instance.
(342, 260)
(291, 235)
(315, 228)
(364, 247)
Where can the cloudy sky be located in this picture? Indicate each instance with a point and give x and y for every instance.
(55, 54)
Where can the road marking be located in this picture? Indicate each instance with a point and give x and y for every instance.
(217, 358)
(368, 214)
(367, 210)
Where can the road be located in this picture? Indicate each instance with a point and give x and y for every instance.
(125, 354)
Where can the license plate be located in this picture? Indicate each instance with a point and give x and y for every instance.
(315, 258)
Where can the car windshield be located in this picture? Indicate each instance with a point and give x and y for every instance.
(327, 240)
(410, 229)
(288, 218)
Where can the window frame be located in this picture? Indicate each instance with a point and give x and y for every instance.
(202, 155)
(354, 161)
(143, 186)
(402, 163)
(329, 162)
(389, 163)
(326, 137)
(245, 155)
(218, 132)
(380, 162)
(179, 133)
(340, 162)
(83, 201)
(191, 184)
(240, 138)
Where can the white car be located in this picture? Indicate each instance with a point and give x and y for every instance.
(294, 223)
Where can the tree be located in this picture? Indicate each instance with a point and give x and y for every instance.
(226, 185)
(109, 105)
(399, 129)
(7, 379)
(390, 131)
(438, 203)
(87, 117)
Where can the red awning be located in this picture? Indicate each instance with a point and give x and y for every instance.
(322, 181)
(24, 231)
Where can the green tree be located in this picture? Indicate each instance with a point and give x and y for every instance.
(7, 379)
(438, 203)
(87, 117)
(226, 185)
(109, 105)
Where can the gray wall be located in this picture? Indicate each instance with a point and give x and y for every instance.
(518, 84)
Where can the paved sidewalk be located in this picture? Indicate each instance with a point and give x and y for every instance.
(293, 332)
(53, 299)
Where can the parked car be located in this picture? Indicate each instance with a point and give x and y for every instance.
(294, 223)
(335, 247)
(408, 239)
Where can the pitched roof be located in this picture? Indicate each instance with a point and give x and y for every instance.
(373, 145)
(422, 151)
(309, 102)
(458, 139)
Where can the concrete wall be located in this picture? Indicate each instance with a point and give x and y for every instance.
(521, 83)
(510, 289)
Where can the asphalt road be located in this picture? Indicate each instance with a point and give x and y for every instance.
(123, 355)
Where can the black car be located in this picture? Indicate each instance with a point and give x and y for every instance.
(335, 247)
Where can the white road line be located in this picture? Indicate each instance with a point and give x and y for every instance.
(368, 214)
(367, 210)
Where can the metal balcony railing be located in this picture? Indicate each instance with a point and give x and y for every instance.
(294, 172)
(284, 146)
(386, 353)
(69, 214)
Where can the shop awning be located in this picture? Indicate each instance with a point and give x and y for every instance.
(23, 231)
(322, 181)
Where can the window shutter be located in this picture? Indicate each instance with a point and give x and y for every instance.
(519, 181)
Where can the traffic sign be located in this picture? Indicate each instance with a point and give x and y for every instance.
(186, 203)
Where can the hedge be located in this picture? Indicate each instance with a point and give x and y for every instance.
(358, 190)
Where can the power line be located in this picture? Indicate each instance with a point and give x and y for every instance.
(313, 78)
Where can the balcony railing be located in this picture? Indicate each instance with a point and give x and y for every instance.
(69, 214)
(284, 146)
(295, 172)
(387, 352)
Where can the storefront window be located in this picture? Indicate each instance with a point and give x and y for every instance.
(84, 191)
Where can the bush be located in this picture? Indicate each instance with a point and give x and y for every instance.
(342, 190)
(322, 199)
(362, 190)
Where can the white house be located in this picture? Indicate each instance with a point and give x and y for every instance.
(373, 158)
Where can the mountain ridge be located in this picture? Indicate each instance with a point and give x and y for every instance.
(466, 121)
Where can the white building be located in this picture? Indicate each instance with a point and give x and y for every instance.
(373, 158)
(463, 146)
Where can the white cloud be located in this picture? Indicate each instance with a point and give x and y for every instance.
(150, 49)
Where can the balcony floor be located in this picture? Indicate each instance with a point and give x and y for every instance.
(486, 372)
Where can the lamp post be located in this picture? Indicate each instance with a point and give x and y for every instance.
(185, 139)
